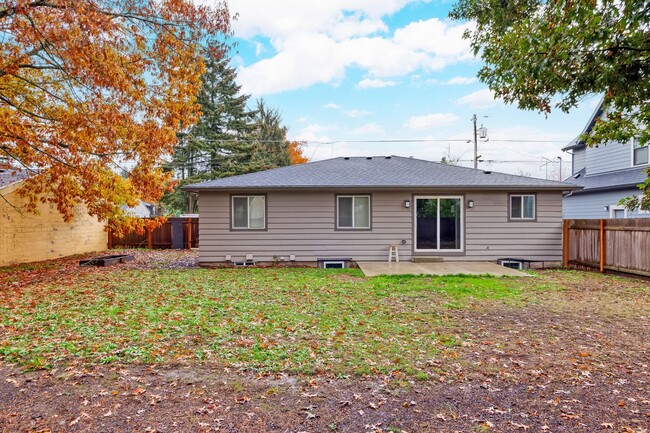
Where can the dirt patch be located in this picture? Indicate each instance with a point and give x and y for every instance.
(196, 399)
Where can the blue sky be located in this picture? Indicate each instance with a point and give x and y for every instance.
(348, 74)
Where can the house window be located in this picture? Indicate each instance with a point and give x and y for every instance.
(639, 153)
(617, 211)
(353, 212)
(522, 206)
(249, 212)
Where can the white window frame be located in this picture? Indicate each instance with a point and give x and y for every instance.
(415, 222)
(353, 197)
(520, 265)
(333, 262)
(635, 142)
(522, 217)
(615, 207)
(248, 203)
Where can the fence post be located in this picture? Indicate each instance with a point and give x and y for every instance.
(566, 225)
(149, 238)
(189, 233)
(603, 246)
(110, 239)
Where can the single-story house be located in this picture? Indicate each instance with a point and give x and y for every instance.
(27, 237)
(355, 208)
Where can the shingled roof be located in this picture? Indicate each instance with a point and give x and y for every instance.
(616, 180)
(377, 172)
(10, 176)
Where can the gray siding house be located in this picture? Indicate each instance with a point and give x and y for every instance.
(607, 173)
(355, 208)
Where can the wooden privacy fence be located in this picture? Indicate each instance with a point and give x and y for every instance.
(613, 244)
(175, 233)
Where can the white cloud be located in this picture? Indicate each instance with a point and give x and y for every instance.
(428, 121)
(316, 42)
(259, 48)
(314, 132)
(369, 129)
(302, 62)
(368, 83)
(479, 99)
(333, 106)
(460, 81)
(444, 41)
(356, 113)
(280, 18)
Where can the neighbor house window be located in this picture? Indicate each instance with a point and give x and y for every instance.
(639, 153)
(249, 212)
(522, 206)
(353, 212)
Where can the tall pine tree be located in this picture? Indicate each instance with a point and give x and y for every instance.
(271, 135)
(228, 140)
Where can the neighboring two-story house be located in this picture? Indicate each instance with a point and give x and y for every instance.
(608, 172)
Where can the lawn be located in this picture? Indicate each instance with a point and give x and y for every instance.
(159, 345)
(295, 320)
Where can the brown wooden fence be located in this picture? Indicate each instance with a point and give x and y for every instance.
(621, 245)
(161, 237)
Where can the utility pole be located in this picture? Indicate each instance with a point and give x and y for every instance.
(475, 143)
(478, 133)
(560, 158)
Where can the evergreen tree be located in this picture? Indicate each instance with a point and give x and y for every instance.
(271, 135)
(228, 140)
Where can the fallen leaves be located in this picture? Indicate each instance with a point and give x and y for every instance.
(242, 400)
(79, 418)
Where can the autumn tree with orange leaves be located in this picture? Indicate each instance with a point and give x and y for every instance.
(92, 93)
(295, 153)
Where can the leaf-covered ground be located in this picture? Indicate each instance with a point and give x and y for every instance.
(158, 345)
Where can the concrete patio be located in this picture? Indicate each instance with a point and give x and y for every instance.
(372, 269)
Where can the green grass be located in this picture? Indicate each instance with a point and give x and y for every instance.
(296, 320)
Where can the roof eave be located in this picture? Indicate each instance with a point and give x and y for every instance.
(574, 146)
(9, 185)
(609, 188)
(565, 187)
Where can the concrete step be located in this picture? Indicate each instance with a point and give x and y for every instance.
(427, 259)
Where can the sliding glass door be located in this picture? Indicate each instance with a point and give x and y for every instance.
(438, 223)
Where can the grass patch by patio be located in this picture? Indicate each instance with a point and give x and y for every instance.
(297, 320)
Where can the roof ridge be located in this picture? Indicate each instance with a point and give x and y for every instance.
(376, 171)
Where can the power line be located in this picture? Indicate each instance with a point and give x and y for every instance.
(395, 140)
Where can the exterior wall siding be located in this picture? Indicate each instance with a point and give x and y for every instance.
(608, 157)
(303, 223)
(592, 205)
(26, 237)
(489, 234)
(579, 160)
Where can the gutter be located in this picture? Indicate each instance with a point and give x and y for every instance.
(606, 188)
(566, 187)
